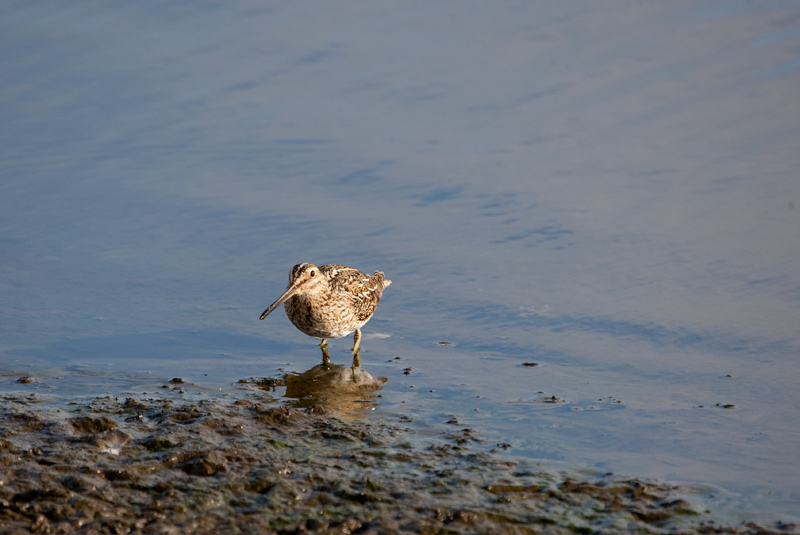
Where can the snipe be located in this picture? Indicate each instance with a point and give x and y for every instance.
(330, 301)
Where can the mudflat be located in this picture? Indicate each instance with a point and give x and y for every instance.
(247, 464)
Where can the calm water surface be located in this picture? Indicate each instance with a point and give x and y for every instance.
(610, 191)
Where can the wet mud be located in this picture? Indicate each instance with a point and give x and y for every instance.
(168, 463)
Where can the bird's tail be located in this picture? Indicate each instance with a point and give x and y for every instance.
(378, 276)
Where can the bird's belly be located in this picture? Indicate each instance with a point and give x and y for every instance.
(321, 321)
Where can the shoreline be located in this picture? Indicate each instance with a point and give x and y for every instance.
(160, 463)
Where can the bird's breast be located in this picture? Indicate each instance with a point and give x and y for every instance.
(320, 317)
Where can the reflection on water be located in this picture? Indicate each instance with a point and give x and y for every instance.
(344, 390)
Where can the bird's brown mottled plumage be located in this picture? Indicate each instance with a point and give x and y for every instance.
(330, 301)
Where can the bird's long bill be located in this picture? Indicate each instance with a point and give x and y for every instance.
(290, 291)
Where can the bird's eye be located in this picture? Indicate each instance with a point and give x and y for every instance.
(313, 273)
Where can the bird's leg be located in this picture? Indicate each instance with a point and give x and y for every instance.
(324, 343)
(356, 340)
(356, 359)
(326, 357)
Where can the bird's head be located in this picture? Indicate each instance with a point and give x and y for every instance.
(303, 278)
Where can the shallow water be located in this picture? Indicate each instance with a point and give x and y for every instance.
(610, 192)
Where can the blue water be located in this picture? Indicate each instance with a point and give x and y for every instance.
(608, 191)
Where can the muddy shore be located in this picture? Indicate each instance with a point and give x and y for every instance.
(165, 463)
